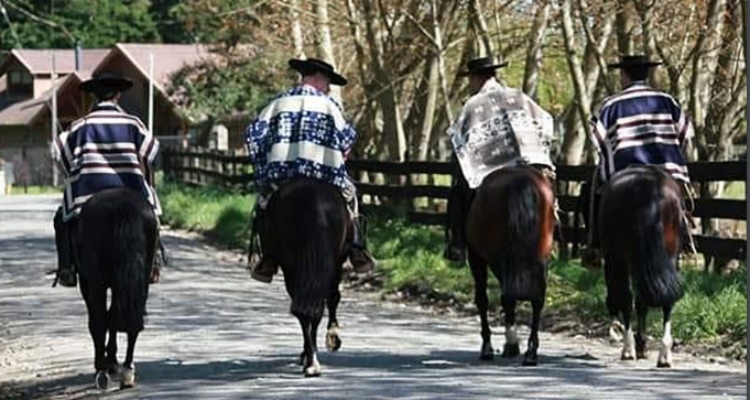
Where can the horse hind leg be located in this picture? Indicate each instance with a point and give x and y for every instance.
(479, 272)
(511, 348)
(628, 342)
(530, 357)
(665, 351)
(309, 356)
(95, 297)
(128, 367)
(641, 310)
(333, 341)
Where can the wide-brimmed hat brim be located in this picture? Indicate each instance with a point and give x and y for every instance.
(620, 65)
(305, 66)
(492, 67)
(99, 84)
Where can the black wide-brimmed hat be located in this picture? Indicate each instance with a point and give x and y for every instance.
(634, 61)
(480, 65)
(313, 65)
(106, 81)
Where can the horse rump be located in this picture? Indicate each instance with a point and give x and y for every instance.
(309, 228)
(118, 238)
(641, 212)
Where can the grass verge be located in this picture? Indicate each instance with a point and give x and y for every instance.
(713, 309)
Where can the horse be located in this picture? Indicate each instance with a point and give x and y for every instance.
(641, 223)
(310, 234)
(115, 239)
(510, 228)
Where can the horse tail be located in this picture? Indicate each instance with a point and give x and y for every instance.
(523, 272)
(314, 267)
(131, 253)
(653, 269)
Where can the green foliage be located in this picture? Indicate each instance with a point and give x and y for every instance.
(35, 190)
(96, 23)
(222, 215)
(231, 86)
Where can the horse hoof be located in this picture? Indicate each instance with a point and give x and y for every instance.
(641, 355)
(333, 342)
(314, 368)
(662, 364)
(102, 380)
(511, 350)
(128, 378)
(487, 353)
(529, 361)
(627, 356)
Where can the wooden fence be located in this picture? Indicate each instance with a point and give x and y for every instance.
(231, 170)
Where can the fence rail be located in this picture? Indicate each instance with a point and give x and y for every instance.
(232, 170)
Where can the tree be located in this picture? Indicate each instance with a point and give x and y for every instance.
(97, 24)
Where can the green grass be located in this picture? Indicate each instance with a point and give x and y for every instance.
(16, 190)
(220, 214)
(734, 190)
(410, 260)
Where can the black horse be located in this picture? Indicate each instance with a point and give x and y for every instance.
(640, 224)
(309, 234)
(510, 227)
(115, 242)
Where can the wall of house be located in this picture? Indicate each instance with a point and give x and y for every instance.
(28, 149)
(42, 85)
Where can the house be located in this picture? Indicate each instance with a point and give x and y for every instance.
(26, 89)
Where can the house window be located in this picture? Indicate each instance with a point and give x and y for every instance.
(20, 83)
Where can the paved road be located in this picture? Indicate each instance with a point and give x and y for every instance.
(213, 333)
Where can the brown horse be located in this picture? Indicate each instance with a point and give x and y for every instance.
(640, 223)
(510, 227)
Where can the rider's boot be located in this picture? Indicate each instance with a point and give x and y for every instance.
(361, 260)
(66, 274)
(266, 268)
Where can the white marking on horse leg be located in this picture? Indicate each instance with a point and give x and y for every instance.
(628, 345)
(314, 368)
(128, 377)
(511, 335)
(665, 352)
(615, 331)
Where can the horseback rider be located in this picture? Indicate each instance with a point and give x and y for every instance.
(638, 126)
(498, 127)
(303, 133)
(108, 148)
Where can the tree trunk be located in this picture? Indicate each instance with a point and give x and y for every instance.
(705, 61)
(392, 126)
(324, 45)
(534, 51)
(626, 20)
(297, 38)
(573, 142)
(476, 18)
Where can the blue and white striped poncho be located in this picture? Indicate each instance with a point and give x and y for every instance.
(107, 148)
(641, 125)
(301, 133)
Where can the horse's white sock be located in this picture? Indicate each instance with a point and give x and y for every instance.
(665, 352)
(511, 334)
(628, 345)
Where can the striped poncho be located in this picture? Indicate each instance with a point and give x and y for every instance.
(107, 148)
(641, 126)
(301, 133)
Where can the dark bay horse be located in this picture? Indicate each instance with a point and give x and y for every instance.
(309, 235)
(510, 227)
(640, 223)
(115, 242)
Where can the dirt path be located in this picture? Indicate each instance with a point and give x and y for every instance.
(213, 333)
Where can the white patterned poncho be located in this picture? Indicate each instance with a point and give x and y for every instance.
(499, 127)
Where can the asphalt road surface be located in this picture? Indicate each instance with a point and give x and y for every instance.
(213, 333)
